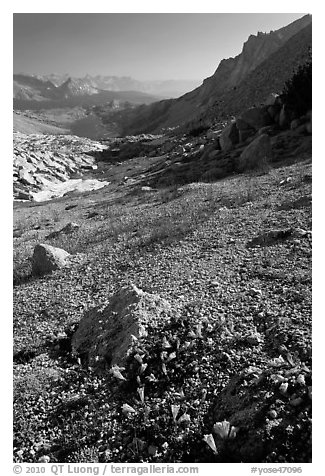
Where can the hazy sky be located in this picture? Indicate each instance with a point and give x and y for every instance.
(141, 45)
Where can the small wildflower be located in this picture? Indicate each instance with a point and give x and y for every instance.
(142, 331)
(283, 388)
(143, 368)
(165, 343)
(192, 335)
(141, 394)
(301, 379)
(151, 378)
(199, 330)
(185, 418)
(175, 410)
(225, 430)
(138, 358)
(171, 356)
(210, 441)
(163, 355)
(127, 409)
(116, 372)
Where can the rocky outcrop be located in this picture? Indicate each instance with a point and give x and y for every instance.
(105, 333)
(41, 161)
(257, 154)
(67, 229)
(47, 258)
(265, 64)
(272, 237)
(229, 137)
(254, 118)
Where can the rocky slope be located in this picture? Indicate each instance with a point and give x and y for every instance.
(33, 125)
(159, 325)
(223, 375)
(277, 53)
(29, 88)
(47, 166)
(256, 49)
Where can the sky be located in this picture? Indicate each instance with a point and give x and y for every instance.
(145, 46)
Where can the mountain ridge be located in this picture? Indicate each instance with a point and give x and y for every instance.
(228, 76)
(91, 84)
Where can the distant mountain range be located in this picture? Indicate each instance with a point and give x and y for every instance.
(31, 92)
(54, 87)
(170, 88)
(266, 62)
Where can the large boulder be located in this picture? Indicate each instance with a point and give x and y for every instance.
(254, 118)
(105, 333)
(67, 229)
(47, 258)
(244, 134)
(257, 154)
(270, 237)
(229, 137)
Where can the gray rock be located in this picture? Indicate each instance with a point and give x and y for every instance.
(257, 154)
(244, 134)
(67, 229)
(270, 237)
(21, 194)
(32, 160)
(20, 162)
(255, 118)
(266, 130)
(25, 177)
(47, 258)
(41, 167)
(105, 333)
(70, 227)
(60, 176)
(229, 137)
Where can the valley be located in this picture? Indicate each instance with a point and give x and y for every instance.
(162, 253)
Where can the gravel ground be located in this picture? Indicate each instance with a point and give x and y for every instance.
(228, 378)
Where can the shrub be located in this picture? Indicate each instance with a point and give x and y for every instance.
(297, 93)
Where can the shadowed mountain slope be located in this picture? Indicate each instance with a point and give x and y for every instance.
(266, 62)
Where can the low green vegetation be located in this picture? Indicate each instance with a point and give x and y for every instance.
(204, 386)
